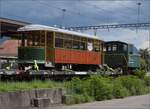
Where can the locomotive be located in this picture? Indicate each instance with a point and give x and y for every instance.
(122, 55)
(59, 49)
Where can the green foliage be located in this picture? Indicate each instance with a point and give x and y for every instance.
(139, 73)
(145, 54)
(100, 88)
(135, 85)
(95, 86)
(119, 91)
(78, 98)
(81, 98)
(143, 65)
(13, 86)
(147, 80)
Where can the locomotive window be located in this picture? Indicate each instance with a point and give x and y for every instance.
(114, 48)
(109, 48)
(124, 47)
(59, 42)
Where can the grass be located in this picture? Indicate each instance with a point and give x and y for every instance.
(14, 86)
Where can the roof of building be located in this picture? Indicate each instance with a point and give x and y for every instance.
(9, 26)
(12, 21)
(108, 42)
(9, 48)
(34, 27)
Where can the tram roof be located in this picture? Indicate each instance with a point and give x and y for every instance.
(35, 27)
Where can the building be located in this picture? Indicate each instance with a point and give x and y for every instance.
(9, 48)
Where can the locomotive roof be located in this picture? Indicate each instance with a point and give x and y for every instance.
(108, 42)
(33, 27)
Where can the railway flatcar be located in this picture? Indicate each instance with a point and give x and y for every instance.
(122, 55)
(54, 48)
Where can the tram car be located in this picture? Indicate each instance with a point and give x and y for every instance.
(54, 48)
(122, 55)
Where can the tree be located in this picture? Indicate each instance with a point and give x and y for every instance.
(145, 55)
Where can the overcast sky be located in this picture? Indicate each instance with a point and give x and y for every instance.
(83, 13)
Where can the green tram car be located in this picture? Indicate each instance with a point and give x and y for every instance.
(122, 55)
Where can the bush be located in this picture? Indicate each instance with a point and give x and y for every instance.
(78, 98)
(139, 73)
(82, 98)
(147, 80)
(74, 86)
(135, 85)
(119, 91)
(100, 88)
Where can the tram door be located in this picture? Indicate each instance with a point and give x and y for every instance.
(49, 48)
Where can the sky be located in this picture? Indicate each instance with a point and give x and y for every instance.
(84, 13)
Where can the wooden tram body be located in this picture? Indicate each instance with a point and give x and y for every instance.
(57, 48)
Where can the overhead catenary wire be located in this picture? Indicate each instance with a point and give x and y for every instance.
(68, 11)
(107, 11)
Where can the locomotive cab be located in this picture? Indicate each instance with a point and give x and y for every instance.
(116, 54)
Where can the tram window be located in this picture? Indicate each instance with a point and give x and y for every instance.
(104, 49)
(29, 41)
(59, 42)
(42, 41)
(82, 46)
(67, 44)
(100, 46)
(114, 48)
(96, 46)
(35, 41)
(67, 36)
(83, 39)
(76, 38)
(76, 44)
(59, 35)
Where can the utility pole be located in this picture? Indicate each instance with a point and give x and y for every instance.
(138, 19)
(149, 28)
(95, 32)
(63, 16)
(138, 16)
